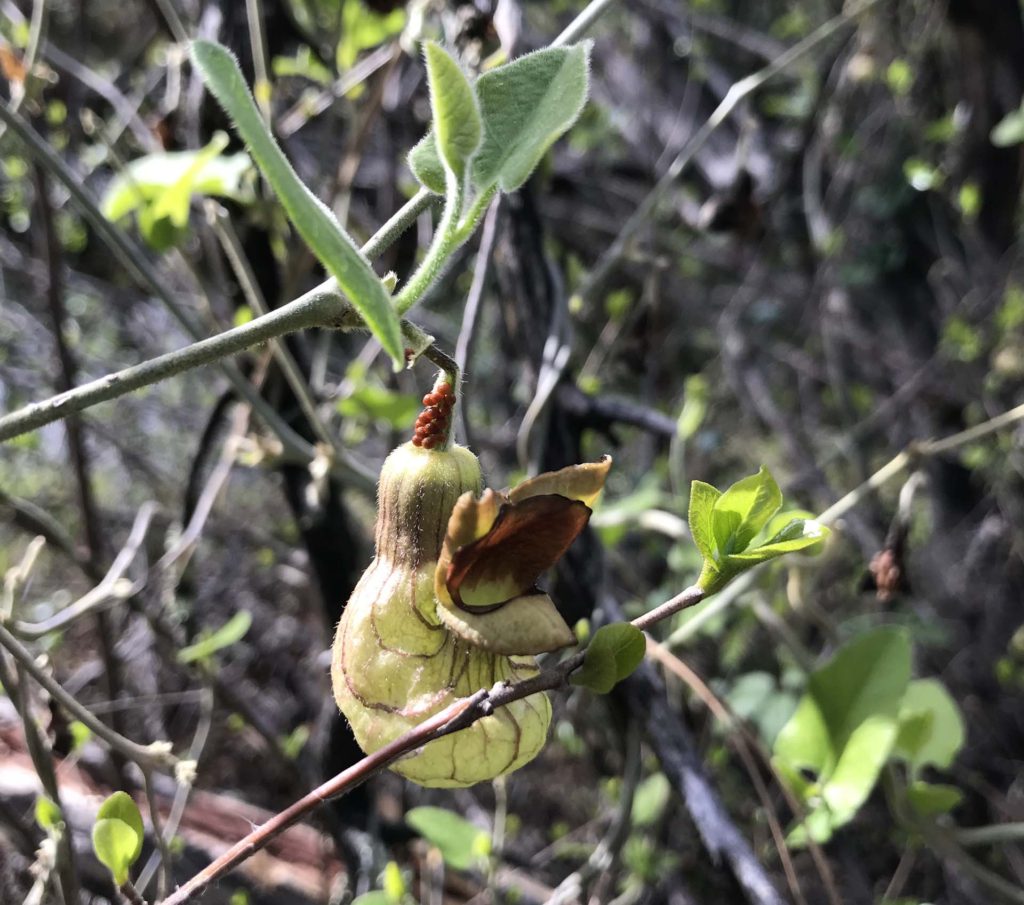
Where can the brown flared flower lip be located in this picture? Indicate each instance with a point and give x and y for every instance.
(495, 549)
(526, 539)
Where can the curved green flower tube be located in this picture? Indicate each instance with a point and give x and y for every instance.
(449, 605)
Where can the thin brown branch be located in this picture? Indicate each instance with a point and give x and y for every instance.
(460, 715)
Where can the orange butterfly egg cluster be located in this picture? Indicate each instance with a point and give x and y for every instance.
(434, 421)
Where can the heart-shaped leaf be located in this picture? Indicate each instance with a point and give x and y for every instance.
(117, 835)
(614, 652)
(525, 106)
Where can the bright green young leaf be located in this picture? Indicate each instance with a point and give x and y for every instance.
(118, 834)
(845, 726)
(456, 118)
(310, 216)
(121, 806)
(47, 814)
(455, 837)
(930, 799)
(231, 632)
(113, 842)
(160, 187)
(372, 401)
(799, 534)
(174, 202)
(146, 179)
(931, 729)
(393, 882)
(613, 653)
(744, 509)
(362, 28)
(695, 406)
(526, 105)
(702, 504)
(650, 800)
(1009, 130)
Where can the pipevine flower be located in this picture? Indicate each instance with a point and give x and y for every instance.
(450, 603)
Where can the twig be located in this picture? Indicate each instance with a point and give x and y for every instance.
(459, 715)
(892, 469)
(471, 311)
(41, 756)
(571, 888)
(139, 265)
(736, 94)
(156, 756)
(336, 312)
(92, 528)
(130, 893)
(106, 592)
(991, 835)
(744, 749)
(581, 24)
(195, 751)
(161, 839)
(218, 218)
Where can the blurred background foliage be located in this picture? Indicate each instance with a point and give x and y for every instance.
(836, 275)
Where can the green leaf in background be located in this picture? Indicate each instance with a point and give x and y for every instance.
(231, 632)
(47, 814)
(613, 653)
(160, 188)
(757, 697)
(931, 729)
(743, 510)
(462, 845)
(118, 834)
(931, 799)
(844, 728)
(375, 897)
(363, 28)
(1009, 130)
(381, 404)
(393, 882)
(310, 216)
(695, 406)
(526, 105)
(456, 119)
(650, 800)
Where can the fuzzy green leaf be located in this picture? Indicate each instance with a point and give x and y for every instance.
(525, 106)
(613, 653)
(310, 216)
(457, 126)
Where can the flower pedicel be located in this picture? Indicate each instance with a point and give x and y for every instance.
(450, 605)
